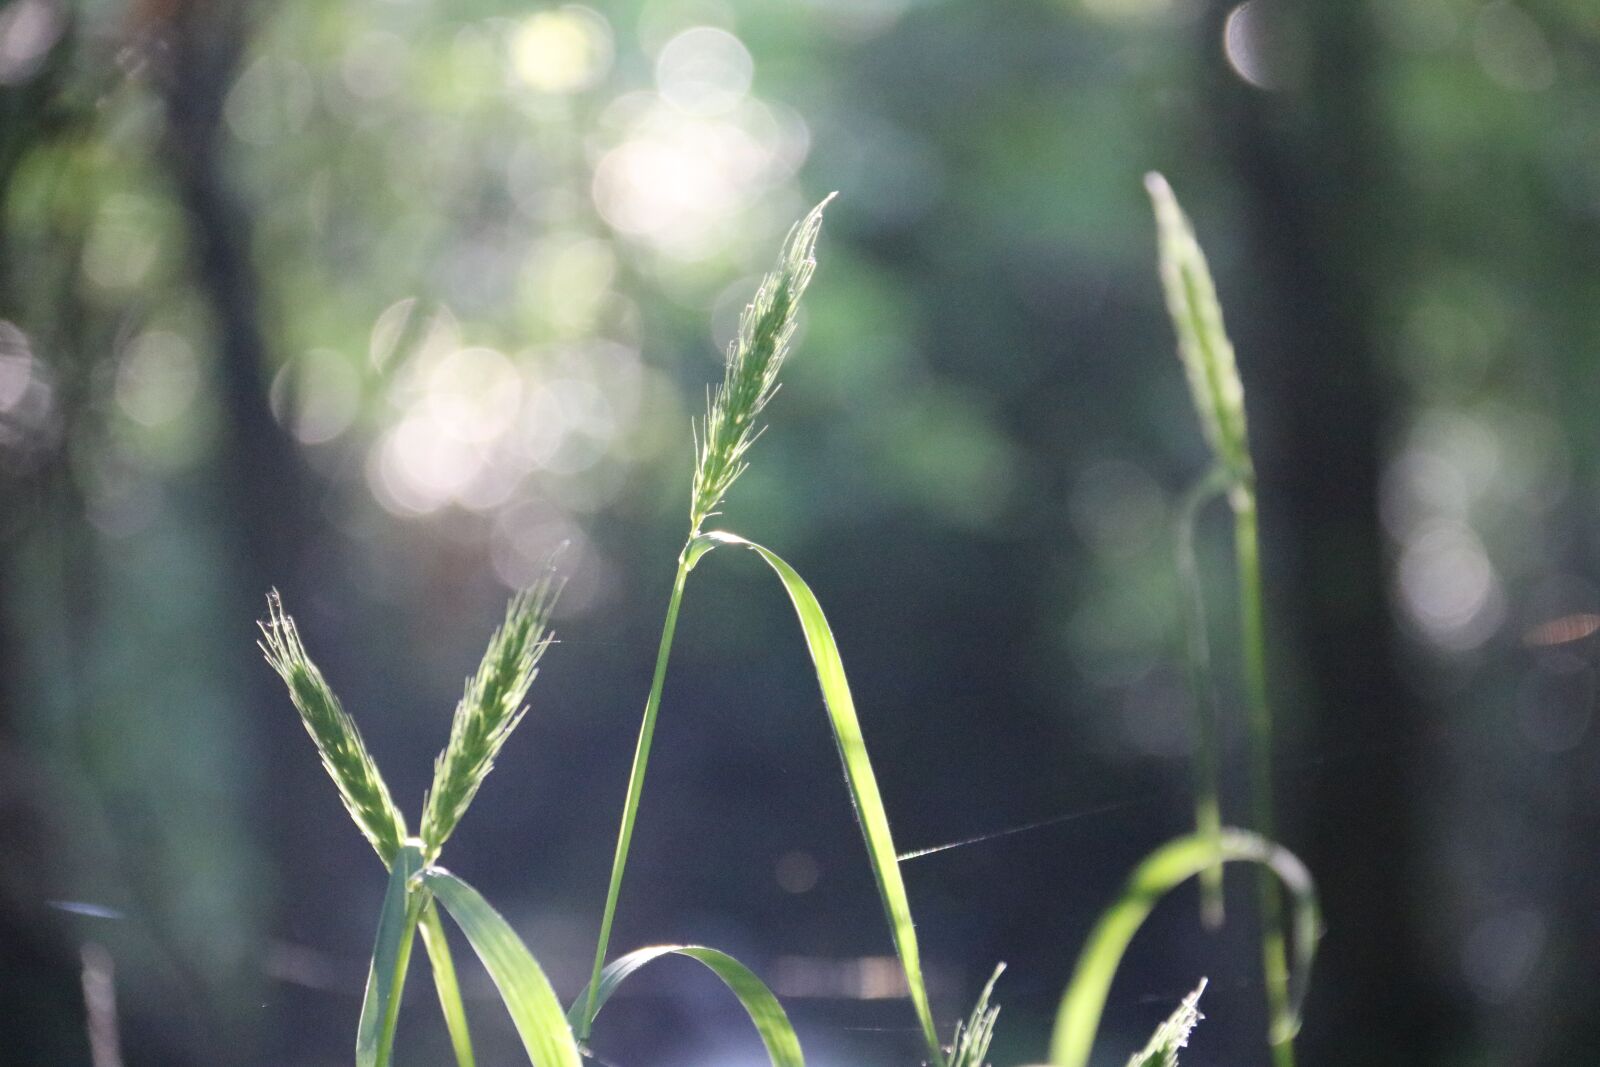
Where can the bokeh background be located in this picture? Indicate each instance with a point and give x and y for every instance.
(375, 301)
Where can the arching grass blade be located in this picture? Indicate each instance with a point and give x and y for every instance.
(863, 783)
(522, 983)
(391, 957)
(1167, 867)
(777, 1034)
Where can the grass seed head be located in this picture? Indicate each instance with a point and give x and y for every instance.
(334, 733)
(971, 1045)
(1202, 340)
(1170, 1036)
(750, 375)
(490, 709)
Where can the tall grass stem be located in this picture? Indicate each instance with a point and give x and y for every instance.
(630, 808)
(1253, 642)
(1202, 687)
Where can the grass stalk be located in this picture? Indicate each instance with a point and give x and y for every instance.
(722, 441)
(1218, 393)
(446, 984)
(1197, 653)
(1253, 642)
(630, 806)
(402, 963)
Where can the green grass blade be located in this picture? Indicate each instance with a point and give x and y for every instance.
(783, 1046)
(522, 983)
(391, 956)
(444, 981)
(857, 769)
(1170, 1036)
(1167, 867)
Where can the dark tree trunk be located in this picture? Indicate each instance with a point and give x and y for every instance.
(1307, 158)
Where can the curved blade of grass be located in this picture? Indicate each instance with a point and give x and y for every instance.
(863, 783)
(391, 957)
(522, 983)
(444, 981)
(783, 1046)
(1078, 1018)
(1197, 653)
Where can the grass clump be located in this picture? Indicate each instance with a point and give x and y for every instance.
(493, 704)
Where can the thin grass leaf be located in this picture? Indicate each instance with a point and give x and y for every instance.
(446, 985)
(1170, 1036)
(750, 375)
(1203, 341)
(334, 732)
(522, 983)
(391, 957)
(1078, 1017)
(870, 813)
(971, 1045)
(771, 1022)
(489, 710)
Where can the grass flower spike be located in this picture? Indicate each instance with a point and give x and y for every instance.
(489, 710)
(334, 733)
(750, 376)
(1202, 340)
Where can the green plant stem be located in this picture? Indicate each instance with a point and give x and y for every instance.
(1252, 634)
(415, 899)
(630, 807)
(1207, 803)
(444, 980)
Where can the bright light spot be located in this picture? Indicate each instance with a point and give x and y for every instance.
(387, 330)
(28, 30)
(704, 71)
(863, 978)
(374, 65)
(679, 182)
(1501, 951)
(1250, 48)
(316, 396)
(472, 394)
(562, 51)
(157, 378)
(1512, 50)
(16, 365)
(416, 468)
(797, 871)
(1448, 585)
(270, 102)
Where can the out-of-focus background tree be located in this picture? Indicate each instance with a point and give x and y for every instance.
(377, 300)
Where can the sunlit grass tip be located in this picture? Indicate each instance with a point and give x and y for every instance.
(1203, 343)
(750, 375)
(490, 708)
(970, 1048)
(1172, 1035)
(334, 733)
